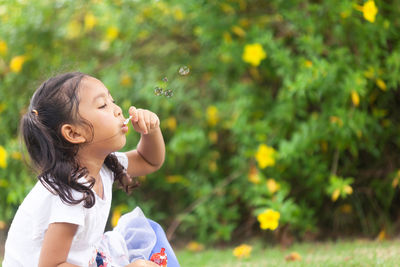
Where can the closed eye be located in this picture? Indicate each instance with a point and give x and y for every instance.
(105, 104)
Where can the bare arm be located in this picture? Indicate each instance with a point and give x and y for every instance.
(56, 244)
(142, 263)
(150, 153)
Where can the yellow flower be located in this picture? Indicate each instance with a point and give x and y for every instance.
(162, 7)
(227, 9)
(355, 98)
(269, 219)
(90, 21)
(369, 10)
(273, 186)
(396, 179)
(117, 214)
(172, 179)
(4, 183)
(125, 80)
(74, 29)
(213, 137)
(3, 107)
(115, 217)
(3, 47)
(382, 235)
(381, 84)
(16, 155)
(294, 256)
(212, 166)
(254, 176)
(369, 73)
(178, 14)
(16, 63)
(112, 33)
(335, 195)
(171, 123)
(337, 120)
(348, 189)
(265, 156)
(3, 157)
(194, 246)
(308, 63)
(242, 251)
(227, 37)
(212, 115)
(254, 54)
(238, 31)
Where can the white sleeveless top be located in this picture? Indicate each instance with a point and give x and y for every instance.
(41, 208)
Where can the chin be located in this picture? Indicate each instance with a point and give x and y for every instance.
(123, 143)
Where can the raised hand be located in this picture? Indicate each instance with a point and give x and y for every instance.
(144, 121)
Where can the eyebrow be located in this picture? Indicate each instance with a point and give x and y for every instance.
(101, 95)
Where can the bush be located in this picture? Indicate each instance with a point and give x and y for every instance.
(289, 105)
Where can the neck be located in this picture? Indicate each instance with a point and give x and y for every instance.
(92, 160)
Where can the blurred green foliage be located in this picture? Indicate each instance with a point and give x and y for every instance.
(289, 105)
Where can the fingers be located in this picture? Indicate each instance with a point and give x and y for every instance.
(142, 263)
(144, 121)
(134, 113)
(147, 121)
(153, 122)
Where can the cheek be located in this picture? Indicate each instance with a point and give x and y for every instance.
(101, 128)
(103, 120)
(104, 124)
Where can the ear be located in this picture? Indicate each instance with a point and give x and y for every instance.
(72, 134)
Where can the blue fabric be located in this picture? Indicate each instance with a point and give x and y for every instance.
(162, 242)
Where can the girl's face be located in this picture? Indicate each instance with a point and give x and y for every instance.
(97, 106)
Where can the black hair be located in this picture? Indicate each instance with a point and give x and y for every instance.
(54, 104)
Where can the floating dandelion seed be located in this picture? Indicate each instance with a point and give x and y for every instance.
(168, 93)
(158, 91)
(184, 70)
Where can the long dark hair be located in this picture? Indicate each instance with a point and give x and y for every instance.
(53, 104)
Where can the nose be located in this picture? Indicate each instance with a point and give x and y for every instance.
(117, 111)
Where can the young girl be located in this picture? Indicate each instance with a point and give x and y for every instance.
(72, 131)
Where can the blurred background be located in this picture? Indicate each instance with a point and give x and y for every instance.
(280, 118)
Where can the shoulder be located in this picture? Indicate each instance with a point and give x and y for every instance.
(122, 158)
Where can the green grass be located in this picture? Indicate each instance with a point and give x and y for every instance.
(343, 253)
